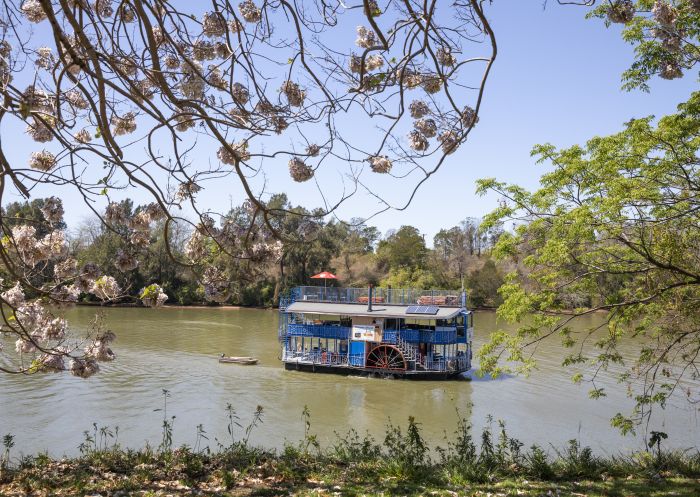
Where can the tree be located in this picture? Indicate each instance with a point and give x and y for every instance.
(614, 227)
(404, 248)
(623, 207)
(162, 98)
(483, 285)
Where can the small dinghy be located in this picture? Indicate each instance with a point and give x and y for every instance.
(247, 361)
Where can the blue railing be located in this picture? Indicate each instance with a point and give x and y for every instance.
(396, 296)
(429, 336)
(318, 331)
(389, 336)
(453, 363)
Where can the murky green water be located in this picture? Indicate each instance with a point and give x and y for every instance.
(176, 349)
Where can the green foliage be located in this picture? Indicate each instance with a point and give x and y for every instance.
(404, 248)
(614, 227)
(658, 47)
(483, 285)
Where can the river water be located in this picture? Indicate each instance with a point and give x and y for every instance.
(176, 349)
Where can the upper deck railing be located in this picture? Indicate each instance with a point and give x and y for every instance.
(391, 296)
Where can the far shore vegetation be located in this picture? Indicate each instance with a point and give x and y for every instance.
(354, 251)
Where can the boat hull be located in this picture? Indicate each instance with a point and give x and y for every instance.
(378, 373)
(245, 361)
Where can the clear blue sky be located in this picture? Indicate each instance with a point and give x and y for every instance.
(556, 79)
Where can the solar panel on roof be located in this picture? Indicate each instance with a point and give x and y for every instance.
(422, 309)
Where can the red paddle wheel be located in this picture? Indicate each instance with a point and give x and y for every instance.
(386, 357)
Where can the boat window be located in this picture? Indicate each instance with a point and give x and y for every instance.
(391, 324)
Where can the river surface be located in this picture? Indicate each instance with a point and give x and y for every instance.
(176, 349)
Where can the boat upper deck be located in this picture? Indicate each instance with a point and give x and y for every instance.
(377, 302)
(378, 310)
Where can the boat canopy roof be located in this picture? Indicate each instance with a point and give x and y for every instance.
(378, 310)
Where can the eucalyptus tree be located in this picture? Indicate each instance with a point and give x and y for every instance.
(163, 98)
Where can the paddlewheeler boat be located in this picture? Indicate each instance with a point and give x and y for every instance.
(385, 332)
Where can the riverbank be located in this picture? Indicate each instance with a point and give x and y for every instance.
(240, 471)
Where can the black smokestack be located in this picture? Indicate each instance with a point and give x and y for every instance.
(369, 299)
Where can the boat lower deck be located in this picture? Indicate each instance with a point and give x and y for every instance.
(348, 370)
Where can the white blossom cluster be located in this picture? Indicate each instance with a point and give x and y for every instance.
(103, 8)
(33, 11)
(153, 296)
(32, 250)
(417, 141)
(44, 58)
(99, 349)
(234, 153)
(621, 11)
(295, 95)
(186, 190)
(313, 150)
(115, 214)
(83, 368)
(418, 109)
(42, 161)
(125, 124)
(65, 269)
(431, 83)
(125, 261)
(105, 288)
(445, 57)
(127, 13)
(278, 124)
(75, 98)
(87, 276)
(366, 38)
(380, 164)
(448, 140)
(196, 246)
(249, 11)
(214, 25)
(52, 209)
(665, 15)
(65, 296)
(216, 285)
(240, 94)
(39, 324)
(299, 171)
(192, 85)
(14, 296)
(426, 127)
(372, 63)
(52, 362)
(83, 136)
(5, 73)
(203, 50)
(184, 121)
(469, 117)
(39, 131)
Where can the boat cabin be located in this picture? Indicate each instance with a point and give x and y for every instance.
(377, 331)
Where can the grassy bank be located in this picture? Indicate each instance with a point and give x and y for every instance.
(492, 464)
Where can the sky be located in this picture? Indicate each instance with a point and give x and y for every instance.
(556, 80)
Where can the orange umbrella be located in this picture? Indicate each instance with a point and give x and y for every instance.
(325, 275)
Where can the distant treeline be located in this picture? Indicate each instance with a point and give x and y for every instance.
(356, 252)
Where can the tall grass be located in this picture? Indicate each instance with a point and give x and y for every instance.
(464, 457)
